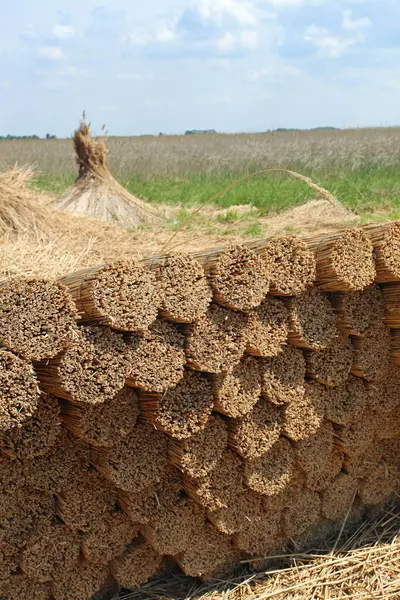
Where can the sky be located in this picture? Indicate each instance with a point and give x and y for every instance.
(150, 66)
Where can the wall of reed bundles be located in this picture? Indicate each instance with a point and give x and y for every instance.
(203, 409)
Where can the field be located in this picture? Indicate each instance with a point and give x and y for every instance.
(360, 167)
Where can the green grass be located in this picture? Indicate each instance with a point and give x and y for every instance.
(365, 190)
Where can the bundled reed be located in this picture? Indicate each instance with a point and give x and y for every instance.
(239, 278)
(256, 432)
(303, 512)
(156, 359)
(37, 318)
(237, 391)
(136, 564)
(262, 536)
(186, 293)
(92, 370)
(304, 416)
(332, 365)
(345, 260)
(19, 586)
(199, 455)
(267, 328)
(217, 341)
(182, 411)
(312, 320)
(136, 462)
(80, 583)
(395, 347)
(123, 295)
(346, 403)
(291, 264)
(339, 497)
(108, 538)
(19, 396)
(386, 242)
(391, 297)
(270, 473)
(283, 376)
(372, 353)
(356, 312)
(234, 518)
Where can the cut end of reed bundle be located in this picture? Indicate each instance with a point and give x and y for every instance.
(271, 472)
(332, 365)
(256, 432)
(267, 328)
(312, 320)
(356, 312)
(238, 391)
(386, 242)
(283, 376)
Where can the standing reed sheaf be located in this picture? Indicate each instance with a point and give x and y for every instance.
(195, 411)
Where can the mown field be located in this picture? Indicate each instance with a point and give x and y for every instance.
(361, 167)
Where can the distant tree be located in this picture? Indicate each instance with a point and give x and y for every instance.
(49, 136)
(199, 131)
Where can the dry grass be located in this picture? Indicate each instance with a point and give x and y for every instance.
(364, 564)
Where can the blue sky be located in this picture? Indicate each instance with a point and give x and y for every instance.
(169, 65)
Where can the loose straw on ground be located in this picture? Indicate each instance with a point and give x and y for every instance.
(37, 318)
(123, 295)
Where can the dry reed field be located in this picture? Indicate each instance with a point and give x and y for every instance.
(192, 416)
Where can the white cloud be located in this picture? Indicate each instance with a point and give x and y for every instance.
(137, 77)
(231, 41)
(350, 24)
(165, 34)
(140, 38)
(51, 53)
(63, 32)
(276, 74)
(217, 11)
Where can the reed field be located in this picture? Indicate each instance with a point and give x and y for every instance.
(360, 167)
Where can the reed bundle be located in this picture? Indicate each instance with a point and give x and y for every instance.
(270, 473)
(49, 554)
(221, 486)
(346, 403)
(123, 295)
(379, 484)
(304, 416)
(283, 376)
(239, 278)
(267, 328)
(174, 530)
(92, 370)
(108, 538)
(372, 353)
(136, 565)
(356, 438)
(216, 341)
(211, 550)
(245, 509)
(391, 297)
(186, 292)
(182, 411)
(395, 350)
(262, 536)
(156, 359)
(312, 320)
(345, 260)
(199, 455)
(37, 436)
(356, 312)
(237, 391)
(256, 432)
(136, 462)
(37, 318)
(80, 583)
(386, 242)
(102, 424)
(332, 365)
(339, 497)
(19, 586)
(301, 514)
(291, 264)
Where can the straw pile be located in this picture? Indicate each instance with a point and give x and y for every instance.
(96, 193)
(146, 422)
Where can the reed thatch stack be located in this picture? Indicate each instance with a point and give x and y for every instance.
(195, 411)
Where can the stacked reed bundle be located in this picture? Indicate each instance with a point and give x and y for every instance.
(346, 403)
(312, 320)
(19, 395)
(182, 411)
(270, 473)
(345, 260)
(136, 462)
(372, 352)
(239, 278)
(356, 312)
(305, 414)
(92, 370)
(291, 264)
(123, 295)
(108, 538)
(283, 376)
(102, 424)
(186, 293)
(156, 359)
(37, 318)
(235, 517)
(332, 365)
(386, 242)
(136, 565)
(216, 341)
(263, 535)
(236, 392)
(81, 582)
(340, 497)
(198, 455)
(303, 512)
(267, 328)
(18, 586)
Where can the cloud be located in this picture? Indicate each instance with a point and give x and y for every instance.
(51, 53)
(219, 11)
(276, 74)
(232, 41)
(353, 31)
(63, 32)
